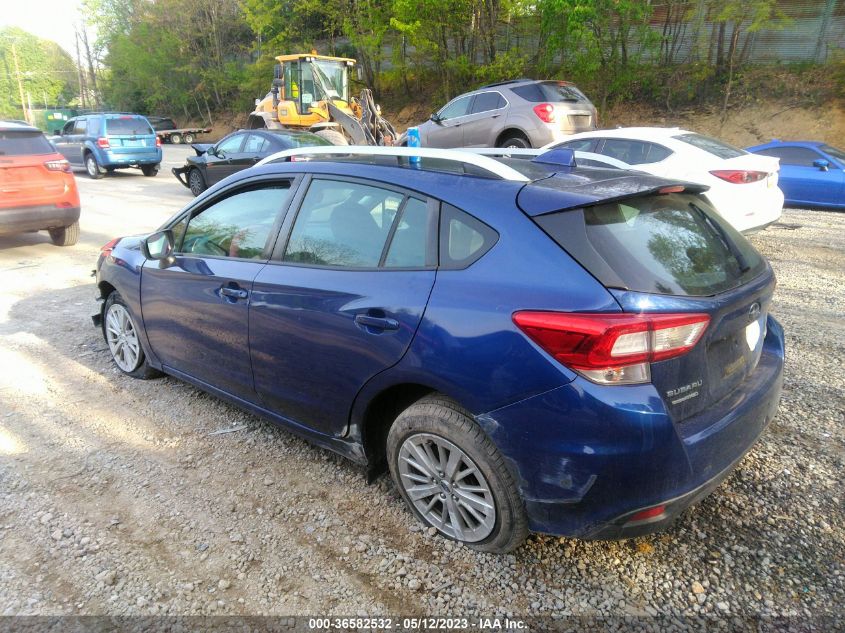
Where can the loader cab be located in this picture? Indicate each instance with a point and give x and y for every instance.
(306, 80)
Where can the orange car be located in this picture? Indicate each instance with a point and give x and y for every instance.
(37, 189)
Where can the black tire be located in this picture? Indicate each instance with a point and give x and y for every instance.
(332, 136)
(516, 142)
(141, 369)
(196, 182)
(440, 417)
(92, 166)
(149, 170)
(189, 138)
(176, 139)
(66, 235)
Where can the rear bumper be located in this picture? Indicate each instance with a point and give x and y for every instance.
(36, 218)
(587, 458)
(117, 160)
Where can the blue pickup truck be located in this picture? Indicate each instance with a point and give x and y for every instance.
(105, 141)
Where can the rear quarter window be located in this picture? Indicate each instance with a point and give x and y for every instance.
(672, 244)
(24, 143)
(128, 125)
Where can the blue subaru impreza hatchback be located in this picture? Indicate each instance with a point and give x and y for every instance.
(526, 345)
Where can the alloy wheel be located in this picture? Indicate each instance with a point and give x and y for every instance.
(91, 166)
(446, 487)
(195, 182)
(122, 338)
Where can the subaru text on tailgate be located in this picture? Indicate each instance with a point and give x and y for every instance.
(525, 345)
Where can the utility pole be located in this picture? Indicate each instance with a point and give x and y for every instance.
(79, 73)
(20, 83)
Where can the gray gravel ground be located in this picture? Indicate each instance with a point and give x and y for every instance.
(115, 499)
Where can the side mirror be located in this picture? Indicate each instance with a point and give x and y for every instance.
(159, 245)
(435, 117)
(822, 164)
(216, 152)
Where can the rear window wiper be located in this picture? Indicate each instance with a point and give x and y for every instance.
(744, 267)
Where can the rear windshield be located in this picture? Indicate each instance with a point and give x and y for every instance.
(131, 125)
(671, 244)
(23, 143)
(551, 91)
(712, 145)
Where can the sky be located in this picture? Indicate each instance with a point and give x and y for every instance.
(49, 19)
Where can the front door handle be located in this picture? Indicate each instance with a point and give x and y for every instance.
(381, 323)
(235, 293)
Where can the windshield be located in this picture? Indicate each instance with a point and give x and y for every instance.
(832, 151)
(333, 77)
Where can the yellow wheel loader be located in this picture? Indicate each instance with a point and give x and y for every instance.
(311, 92)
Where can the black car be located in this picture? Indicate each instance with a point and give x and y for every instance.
(237, 151)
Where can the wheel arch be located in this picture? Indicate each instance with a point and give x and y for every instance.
(373, 418)
(263, 120)
(509, 132)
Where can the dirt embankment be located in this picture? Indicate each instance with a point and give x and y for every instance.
(743, 126)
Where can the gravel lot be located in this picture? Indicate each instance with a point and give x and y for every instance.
(116, 496)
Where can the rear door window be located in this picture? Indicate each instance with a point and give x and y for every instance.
(487, 101)
(343, 224)
(711, 145)
(256, 144)
(24, 143)
(127, 126)
(81, 126)
(672, 244)
(634, 152)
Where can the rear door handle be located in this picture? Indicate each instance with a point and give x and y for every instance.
(235, 293)
(381, 323)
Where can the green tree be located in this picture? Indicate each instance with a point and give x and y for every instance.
(46, 72)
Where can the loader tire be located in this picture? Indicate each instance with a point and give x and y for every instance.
(332, 136)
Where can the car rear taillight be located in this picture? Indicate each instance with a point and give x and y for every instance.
(739, 176)
(546, 112)
(158, 142)
(58, 165)
(103, 143)
(613, 349)
(106, 249)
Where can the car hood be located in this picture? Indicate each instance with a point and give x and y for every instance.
(202, 148)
